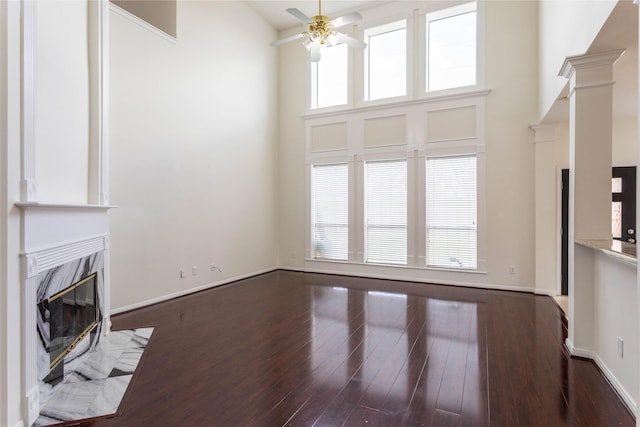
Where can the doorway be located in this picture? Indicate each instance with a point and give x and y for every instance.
(623, 214)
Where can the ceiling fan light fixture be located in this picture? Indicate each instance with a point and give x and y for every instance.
(333, 39)
(321, 32)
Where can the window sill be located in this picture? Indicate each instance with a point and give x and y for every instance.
(392, 266)
(447, 95)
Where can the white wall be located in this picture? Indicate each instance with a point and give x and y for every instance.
(615, 315)
(62, 90)
(566, 28)
(194, 161)
(511, 74)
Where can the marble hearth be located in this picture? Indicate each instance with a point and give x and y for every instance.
(95, 382)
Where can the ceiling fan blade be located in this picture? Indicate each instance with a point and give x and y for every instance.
(315, 53)
(346, 19)
(280, 42)
(299, 15)
(343, 38)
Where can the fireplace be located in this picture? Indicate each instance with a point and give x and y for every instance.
(73, 313)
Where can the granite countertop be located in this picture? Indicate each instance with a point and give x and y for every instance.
(617, 249)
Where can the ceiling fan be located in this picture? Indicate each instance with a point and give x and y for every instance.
(321, 32)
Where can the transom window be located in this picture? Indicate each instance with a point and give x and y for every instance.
(451, 48)
(385, 73)
(329, 78)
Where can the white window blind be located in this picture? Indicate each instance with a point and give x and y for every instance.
(386, 61)
(329, 78)
(451, 48)
(451, 212)
(330, 211)
(386, 212)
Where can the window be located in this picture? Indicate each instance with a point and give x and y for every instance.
(329, 78)
(386, 61)
(330, 210)
(451, 212)
(451, 48)
(386, 212)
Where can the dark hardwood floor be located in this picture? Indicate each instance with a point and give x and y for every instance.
(295, 349)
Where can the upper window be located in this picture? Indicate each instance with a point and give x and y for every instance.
(329, 78)
(386, 61)
(386, 212)
(451, 48)
(451, 212)
(330, 211)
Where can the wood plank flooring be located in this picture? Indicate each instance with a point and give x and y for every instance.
(296, 349)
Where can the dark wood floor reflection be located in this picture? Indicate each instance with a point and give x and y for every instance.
(297, 349)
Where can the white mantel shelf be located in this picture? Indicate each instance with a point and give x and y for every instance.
(29, 205)
(620, 250)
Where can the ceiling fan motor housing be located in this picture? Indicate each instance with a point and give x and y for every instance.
(320, 26)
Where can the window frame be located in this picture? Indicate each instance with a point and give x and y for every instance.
(464, 7)
(418, 145)
(426, 216)
(312, 83)
(386, 27)
(382, 159)
(312, 206)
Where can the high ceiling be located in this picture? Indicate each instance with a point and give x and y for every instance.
(274, 11)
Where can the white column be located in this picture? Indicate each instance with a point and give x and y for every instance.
(590, 127)
(546, 210)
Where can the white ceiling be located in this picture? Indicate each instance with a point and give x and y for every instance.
(274, 11)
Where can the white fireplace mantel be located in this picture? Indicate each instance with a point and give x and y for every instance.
(52, 235)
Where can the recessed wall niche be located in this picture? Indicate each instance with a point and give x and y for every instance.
(159, 13)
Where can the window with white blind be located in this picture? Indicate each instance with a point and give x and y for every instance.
(451, 47)
(386, 212)
(329, 78)
(451, 212)
(386, 61)
(330, 211)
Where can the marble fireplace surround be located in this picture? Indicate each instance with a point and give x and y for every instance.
(60, 243)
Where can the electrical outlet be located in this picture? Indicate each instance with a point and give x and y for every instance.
(182, 273)
(194, 270)
(512, 269)
(293, 255)
(620, 347)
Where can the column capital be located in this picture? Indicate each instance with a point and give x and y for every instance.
(543, 132)
(577, 62)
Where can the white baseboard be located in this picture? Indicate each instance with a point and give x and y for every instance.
(188, 291)
(19, 424)
(545, 292)
(613, 380)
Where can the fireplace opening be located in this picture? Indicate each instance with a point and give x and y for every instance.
(73, 314)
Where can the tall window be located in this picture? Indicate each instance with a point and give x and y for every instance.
(451, 47)
(329, 78)
(330, 209)
(386, 61)
(451, 212)
(386, 212)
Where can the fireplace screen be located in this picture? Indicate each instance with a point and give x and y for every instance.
(73, 313)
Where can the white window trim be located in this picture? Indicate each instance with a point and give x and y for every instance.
(416, 149)
(421, 59)
(408, 24)
(416, 60)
